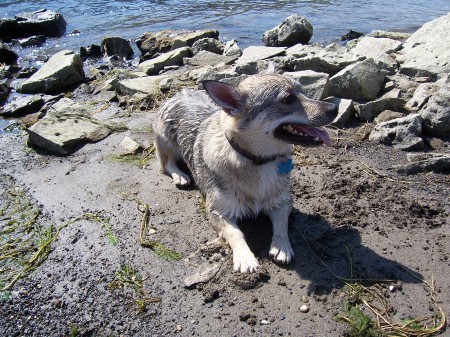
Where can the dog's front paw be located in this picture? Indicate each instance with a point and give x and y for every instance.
(245, 261)
(180, 180)
(281, 250)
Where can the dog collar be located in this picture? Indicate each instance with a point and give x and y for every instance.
(257, 160)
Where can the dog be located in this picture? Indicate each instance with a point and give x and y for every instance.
(236, 142)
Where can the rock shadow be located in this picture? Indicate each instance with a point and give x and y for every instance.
(326, 255)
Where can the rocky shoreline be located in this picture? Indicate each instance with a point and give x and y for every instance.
(373, 209)
(395, 81)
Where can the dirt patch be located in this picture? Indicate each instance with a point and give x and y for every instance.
(354, 220)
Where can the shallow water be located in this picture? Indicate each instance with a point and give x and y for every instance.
(245, 21)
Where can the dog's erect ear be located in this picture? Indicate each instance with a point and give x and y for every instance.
(225, 96)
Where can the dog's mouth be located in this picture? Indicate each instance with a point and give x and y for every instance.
(302, 135)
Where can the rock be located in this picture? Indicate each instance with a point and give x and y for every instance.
(351, 35)
(116, 46)
(5, 89)
(256, 53)
(232, 49)
(34, 41)
(387, 115)
(436, 116)
(61, 71)
(175, 57)
(399, 36)
(65, 106)
(22, 105)
(425, 162)
(368, 111)
(403, 133)
(166, 84)
(108, 85)
(359, 81)
(304, 308)
(252, 68)
(203, 275)
(61, 133)
(295, 29)
(331, 59)
(379, 49)
(346, 111)
(421, 96)
(313, 84)
(128, 146)
(208, 44)
(31, 119)
(206, 58)
(42, 22)
(143, 85)
(427, 52)
(7, 55)
(167, 40)
(227, 76)
(91, 51)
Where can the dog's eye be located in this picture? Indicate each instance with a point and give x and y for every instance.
(289, 99)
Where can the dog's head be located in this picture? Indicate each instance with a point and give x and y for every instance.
(272, 107)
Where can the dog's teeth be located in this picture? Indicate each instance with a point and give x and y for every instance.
(317, 139)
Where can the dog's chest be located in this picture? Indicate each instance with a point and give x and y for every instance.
(251, 191)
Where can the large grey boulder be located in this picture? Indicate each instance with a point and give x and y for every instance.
(403, 133)
(380, 49)
(60, 133)
(331, 59)
(427, 52)
(313, 84)
(208, 44)
(22, 105)
(164, 41)
(61, 71)
(174, 57)
(42, 22)
(359, 81)
(256, 53)
(116, 46)
(295, 29)
(436, 116)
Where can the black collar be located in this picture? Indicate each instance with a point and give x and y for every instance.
(250, 156)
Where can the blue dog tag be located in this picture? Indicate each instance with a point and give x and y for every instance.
(285, 167)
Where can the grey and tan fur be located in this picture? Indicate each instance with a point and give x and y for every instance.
(236, 142)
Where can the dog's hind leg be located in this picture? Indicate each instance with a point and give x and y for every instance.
(244, 260)
(280, 249)
(168, 155)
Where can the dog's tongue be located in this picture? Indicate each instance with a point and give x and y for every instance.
(313, 132)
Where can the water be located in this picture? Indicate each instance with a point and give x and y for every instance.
(245, 21)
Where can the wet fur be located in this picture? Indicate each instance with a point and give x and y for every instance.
(190, 127)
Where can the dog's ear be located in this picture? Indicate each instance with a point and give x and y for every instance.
(225, 96)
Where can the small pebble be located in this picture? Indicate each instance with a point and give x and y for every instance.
(304, 308)
(264, 322)
(179, 327)
(392, 289)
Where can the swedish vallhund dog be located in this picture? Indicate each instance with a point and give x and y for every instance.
(236, 142)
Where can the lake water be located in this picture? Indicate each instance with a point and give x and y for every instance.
(244, 21)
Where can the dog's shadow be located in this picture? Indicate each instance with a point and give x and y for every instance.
(326, 256)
